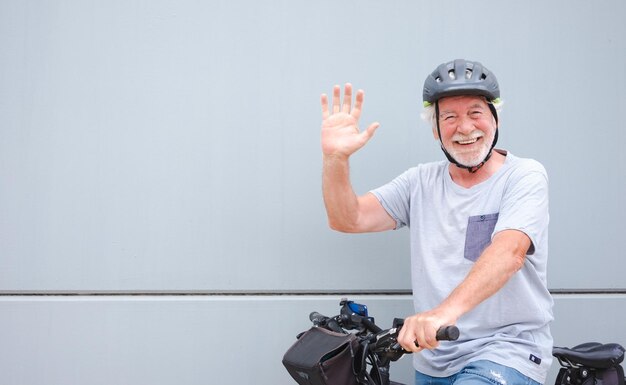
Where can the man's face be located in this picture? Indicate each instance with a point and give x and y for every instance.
(467, 128)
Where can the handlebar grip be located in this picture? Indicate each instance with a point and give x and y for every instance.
(317, 318)
(448, 333)
(321, 320)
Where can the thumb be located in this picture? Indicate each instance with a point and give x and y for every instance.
(369, 132)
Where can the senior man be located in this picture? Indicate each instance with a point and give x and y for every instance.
(478, 224)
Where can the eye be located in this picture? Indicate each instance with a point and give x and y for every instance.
(476, 114)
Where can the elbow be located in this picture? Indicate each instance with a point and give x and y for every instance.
(343, 226)
(513, 245)
(518, 262)
(519, 258)
(513, 261)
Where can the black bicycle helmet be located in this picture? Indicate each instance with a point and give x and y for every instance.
(460, 77)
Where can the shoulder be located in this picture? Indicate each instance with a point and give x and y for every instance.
(427, 171)
(521, 168)
(523, 178)
(415, 178)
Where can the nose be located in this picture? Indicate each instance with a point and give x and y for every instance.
(465, 125)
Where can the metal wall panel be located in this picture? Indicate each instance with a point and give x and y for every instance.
(211, 339)
(174, 145)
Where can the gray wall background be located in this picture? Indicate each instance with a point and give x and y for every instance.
(161, 218)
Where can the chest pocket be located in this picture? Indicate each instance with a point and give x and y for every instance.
(478, 234)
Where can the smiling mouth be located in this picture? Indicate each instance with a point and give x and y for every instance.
(468, 141)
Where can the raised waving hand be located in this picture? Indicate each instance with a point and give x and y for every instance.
(341, 136)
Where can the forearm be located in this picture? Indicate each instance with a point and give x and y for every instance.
(342, 205)
(495, 267)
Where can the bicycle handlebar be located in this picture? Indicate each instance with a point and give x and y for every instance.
(386, 337)
(379, 346)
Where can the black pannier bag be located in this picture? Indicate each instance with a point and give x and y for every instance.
(322, 357)
(590, 364)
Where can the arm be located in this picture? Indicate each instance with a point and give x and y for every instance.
(340, 139)
(496, 265)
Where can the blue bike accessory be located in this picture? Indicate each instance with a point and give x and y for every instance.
(358, 309)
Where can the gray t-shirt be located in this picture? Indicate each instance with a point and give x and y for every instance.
(450, 226)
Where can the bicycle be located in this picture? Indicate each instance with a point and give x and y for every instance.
(367, 352)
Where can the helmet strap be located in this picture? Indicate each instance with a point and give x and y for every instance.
(470, 169)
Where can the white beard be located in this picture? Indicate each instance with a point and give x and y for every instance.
(474, 156)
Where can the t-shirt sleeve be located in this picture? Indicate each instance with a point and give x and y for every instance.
(524, 205)
(395, 198)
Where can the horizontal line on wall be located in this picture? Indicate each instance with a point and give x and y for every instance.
(202, 292)
(24, 293)
(587, 291)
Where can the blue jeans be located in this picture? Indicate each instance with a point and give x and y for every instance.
(479, 372)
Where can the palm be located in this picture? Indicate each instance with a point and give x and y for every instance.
(340, 134)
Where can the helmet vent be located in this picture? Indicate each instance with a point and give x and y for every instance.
(468, 73)
(451, 74)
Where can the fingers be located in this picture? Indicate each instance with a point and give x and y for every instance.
(346, 106)
(336, 98)
(347, 98)
(428, 339)
(356, 112)
(325, 112)
(417, 330)
(406, 339)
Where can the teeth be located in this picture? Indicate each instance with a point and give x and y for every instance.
(469, 141)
